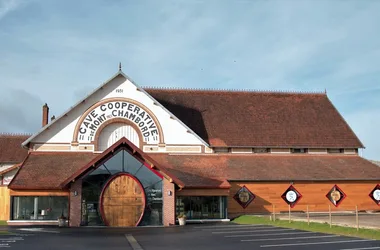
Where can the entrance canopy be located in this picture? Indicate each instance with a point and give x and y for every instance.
(55, 170)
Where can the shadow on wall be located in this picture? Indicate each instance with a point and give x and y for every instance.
(191, 117)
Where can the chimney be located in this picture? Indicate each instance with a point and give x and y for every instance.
(45, 115)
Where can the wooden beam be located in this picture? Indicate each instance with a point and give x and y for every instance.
(39, 193)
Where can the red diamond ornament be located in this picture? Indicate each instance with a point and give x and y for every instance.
(244, 196)
(375, 194)
(291, 196)
(336, 195)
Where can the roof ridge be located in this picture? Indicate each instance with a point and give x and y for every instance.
(14, 134)
(60, 152)
(234, 90)
(260, 154)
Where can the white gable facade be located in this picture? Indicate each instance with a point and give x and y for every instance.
(117, 109)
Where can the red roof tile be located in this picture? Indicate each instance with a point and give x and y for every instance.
(47, 170)
(213, 170)
(10, 148)
(259, 119)
(51, 170)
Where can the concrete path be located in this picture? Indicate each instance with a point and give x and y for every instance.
(366, 220)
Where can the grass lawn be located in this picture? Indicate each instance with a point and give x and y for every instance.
(314, 227)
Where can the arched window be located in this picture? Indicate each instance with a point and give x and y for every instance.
(114, 132)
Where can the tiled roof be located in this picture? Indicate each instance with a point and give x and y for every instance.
(10, 148)
(51, 170)
(47, 170)
(259, 119)
(213, 170)
(376, 162)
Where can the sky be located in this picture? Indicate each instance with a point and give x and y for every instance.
(57, 52)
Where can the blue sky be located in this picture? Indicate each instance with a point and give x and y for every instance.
(57, 51)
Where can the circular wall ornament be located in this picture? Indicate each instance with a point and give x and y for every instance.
(244, 196)
(336, 195)
(375, 194)
(291, 196)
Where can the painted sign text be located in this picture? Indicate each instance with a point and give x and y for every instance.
(129, 111)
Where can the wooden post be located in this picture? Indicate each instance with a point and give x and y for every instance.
(307, 214)
(357, 218)
(274, 214)
(289, 213)
(330, 215)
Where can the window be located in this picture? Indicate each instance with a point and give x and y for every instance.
(114, 132)
(201, 207)
(299, 150)
(335, 150)
(115, 164)
(153, 207)
(39, 207)
(350, 151)
(222, 150)
(260, 150)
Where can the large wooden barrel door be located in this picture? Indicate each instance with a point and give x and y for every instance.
(122, 201)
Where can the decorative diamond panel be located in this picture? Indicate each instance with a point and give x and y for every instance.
(244, 196)
(291, 196)
(336, 195)
(375, 194)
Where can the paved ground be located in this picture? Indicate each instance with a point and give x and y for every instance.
(68, 238)
(7, 241)
(199, 237)
(366, 220)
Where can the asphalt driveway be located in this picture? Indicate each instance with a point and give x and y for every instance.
(199, 237)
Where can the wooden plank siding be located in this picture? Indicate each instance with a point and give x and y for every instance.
(313, 194)
(4, 203)
(203, 192)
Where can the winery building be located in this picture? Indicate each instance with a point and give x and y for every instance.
(132, 156)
